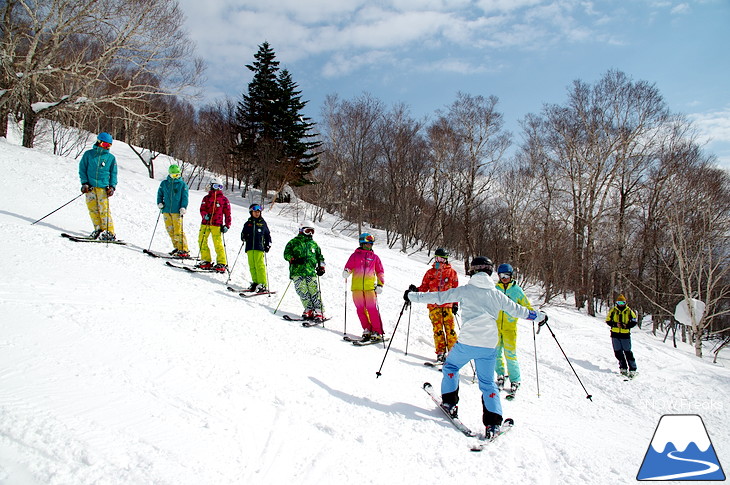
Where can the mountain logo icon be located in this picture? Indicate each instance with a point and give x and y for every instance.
(681, 450)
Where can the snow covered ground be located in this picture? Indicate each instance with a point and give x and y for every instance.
(115, 369)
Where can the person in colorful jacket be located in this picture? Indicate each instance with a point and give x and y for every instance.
(306, 265)
(622, 319)
(216, 213)
(367, 283)
(255, 234)
(98, 174)
(441, 276)
(507, 327)
(172, 199)
(480, 303)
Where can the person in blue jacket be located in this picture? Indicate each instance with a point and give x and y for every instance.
(98, 174)
(480, 303)
(172, 199)
(255, 234)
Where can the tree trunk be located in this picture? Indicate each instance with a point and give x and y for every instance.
(30, 119)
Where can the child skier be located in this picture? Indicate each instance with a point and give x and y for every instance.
(622, 319)
(507, 327)
(367, 283)
(216, 213)
(480, 302)
(255, 234)
(440, 277)
(98, 174)
(306, 265)
(172, 199)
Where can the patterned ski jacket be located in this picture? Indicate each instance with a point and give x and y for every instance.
(216, 204)
(515, 293)
(440, 277)
(256, 235)
(621, 321)
(366, 269)
(98, 168)
(174, 194)
(303, 255)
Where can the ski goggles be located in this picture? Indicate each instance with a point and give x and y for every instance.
(104, 144)
(503, 276)
(216, 186)
(255, 208)
(440, 259)
(620, 303)
(309, 231)
(369, 239)
(176, 175)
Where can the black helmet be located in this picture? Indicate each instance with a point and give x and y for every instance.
(442, 253)
(480, 263)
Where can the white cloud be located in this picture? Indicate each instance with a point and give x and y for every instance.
(680, 9)
(714, 125)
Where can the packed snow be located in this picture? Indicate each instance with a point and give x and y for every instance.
(115, 369)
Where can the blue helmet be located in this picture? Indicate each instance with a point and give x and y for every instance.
(105, 137)
(366, 238)
(505, 268)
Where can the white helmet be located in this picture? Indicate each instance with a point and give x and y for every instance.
(304, 225)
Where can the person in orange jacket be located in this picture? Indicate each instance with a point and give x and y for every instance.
(440, 277)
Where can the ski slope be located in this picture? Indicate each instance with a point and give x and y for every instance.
(115, 369)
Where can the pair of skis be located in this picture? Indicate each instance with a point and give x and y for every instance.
(306, 322)
(482, 440)
(359, 342)
(74, 238)
(244, 293)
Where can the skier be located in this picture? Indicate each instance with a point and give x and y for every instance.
(216, 213)
(255, 234)
(480, 302)
(441, 276)
(507, 327)
(172, 199)
(367, 283)
(306, 265)
(98, 174)
(622, 319)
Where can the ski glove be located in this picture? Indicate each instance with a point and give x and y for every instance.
(109, 191)
(320, 270)
(206, 217)
(345, 273)
(161, 205)
(455, 308)
(183, 210)
(266, 248)
(410, 288)
(85, 188)
(539, 317)
(224, 229)
(378, 289)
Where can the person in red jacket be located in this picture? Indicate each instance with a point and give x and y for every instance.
(441, 277)
(216, 213)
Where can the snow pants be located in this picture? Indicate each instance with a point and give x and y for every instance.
(307, 288)
(366, 304)
(483, 358)
(98, 204)
(257, 265)
(508, 344)
(220, 249)
(174, 226)
(444, 336)
(623, 353)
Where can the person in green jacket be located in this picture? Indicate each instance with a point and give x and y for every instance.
(507, 327)
(98, 175)
(306, 265)
(622, 319)
(172, 199)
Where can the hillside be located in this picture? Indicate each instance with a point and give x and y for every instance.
(115, 369)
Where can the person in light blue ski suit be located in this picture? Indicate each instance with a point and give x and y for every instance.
(480, 303)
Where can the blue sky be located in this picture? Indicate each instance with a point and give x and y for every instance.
(525, 52)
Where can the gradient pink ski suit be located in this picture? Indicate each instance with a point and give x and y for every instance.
(367, 274)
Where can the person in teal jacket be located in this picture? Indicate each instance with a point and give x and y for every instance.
(98, 175)
(507, 327)
(306, 265)
(172, 199)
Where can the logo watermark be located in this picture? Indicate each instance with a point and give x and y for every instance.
(668, 406)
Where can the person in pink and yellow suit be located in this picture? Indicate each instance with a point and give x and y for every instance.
(367, 283)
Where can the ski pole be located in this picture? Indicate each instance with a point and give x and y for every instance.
(230, 273)
(64, 205)
(282, 297)
(588, 396)
(321, 304)
(392, 337)
(155, 229)
(408, 329)
(344, 331)
(537, 374)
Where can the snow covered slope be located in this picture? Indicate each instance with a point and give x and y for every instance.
(115, 369)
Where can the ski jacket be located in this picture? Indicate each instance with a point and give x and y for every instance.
(216, 204)
(621, 321)
(304, 256)
(515, 293)
(255, 234)
(98, 168)
(440, 277)
(480, 304)
(174, 194)
(366, 269)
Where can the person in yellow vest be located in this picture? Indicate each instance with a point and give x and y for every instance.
(622, 319)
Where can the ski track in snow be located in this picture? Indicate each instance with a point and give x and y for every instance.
(115, 369)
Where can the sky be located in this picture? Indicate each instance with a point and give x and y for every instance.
(116, 369)
(524, 52)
